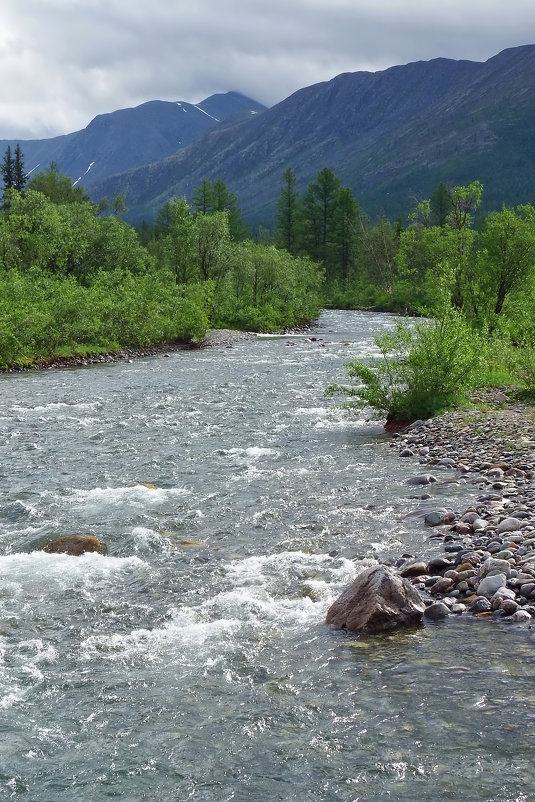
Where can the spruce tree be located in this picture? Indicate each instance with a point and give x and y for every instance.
(19, 176)
(8, 169)
(288, 213)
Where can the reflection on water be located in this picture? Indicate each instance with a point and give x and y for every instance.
(193, 662)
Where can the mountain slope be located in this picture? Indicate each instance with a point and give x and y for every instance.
(128, 138)
(391, 136)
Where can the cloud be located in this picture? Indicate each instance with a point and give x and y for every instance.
(64, 61)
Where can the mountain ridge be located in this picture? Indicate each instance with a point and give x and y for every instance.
(391, 136)
(131, 137)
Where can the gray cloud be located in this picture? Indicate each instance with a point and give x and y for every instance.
(64, 61)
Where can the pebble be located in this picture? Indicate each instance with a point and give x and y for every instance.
(488, 563)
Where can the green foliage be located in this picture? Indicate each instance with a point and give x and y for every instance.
(42, 314)
(57, 187)
(264, 289)
(71, 280)
(213, 197)
(423, 369)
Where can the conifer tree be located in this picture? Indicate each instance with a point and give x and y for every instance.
(7, 169)
(19, 176)
(288, 213)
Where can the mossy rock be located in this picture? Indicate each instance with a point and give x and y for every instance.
(75, 545)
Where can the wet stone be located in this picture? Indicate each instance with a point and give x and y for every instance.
(414, 569)
(480, 605)
(490, 584)
(436, 611)
(521, 617)
(421, 479)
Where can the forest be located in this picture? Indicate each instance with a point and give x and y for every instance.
(76, 278)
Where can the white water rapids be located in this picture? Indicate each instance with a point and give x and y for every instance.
(192, 662)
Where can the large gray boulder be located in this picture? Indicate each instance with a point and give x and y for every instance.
(378, 600)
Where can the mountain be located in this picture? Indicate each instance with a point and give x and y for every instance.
(129, 138)
(391, 136)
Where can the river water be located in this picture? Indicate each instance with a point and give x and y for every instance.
(192, 662)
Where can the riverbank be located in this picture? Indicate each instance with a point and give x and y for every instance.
(214, 338)
(487, 564)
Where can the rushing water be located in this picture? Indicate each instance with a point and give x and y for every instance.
(192, 662)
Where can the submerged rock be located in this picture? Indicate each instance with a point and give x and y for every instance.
(75, 545)
(378, 600)
(421, 479)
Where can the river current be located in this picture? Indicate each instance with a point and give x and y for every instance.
(192, 662)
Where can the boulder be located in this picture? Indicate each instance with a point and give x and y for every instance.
(75, 545)
(378, 600)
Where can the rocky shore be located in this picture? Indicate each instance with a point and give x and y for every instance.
(487, 564)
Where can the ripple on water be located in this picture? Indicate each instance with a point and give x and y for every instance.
(193, 662)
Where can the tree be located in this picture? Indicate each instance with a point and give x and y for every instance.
(211, 235)
(379, 246)
(213, 197)
(320, 203)
(118, 205)
(203, 198)
(8, 169)
(19, 176)
(440, 205)
(57, 186)
(178, 246)
(288, 216)
(346, 218)
(506, 255)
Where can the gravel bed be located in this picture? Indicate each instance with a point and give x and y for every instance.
(487, 565)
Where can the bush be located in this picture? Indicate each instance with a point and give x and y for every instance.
(424, 368)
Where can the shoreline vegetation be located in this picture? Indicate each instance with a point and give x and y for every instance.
(214, 337)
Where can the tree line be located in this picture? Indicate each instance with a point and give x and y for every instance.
(486, 261)
(75, 277)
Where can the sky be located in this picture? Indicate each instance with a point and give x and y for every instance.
(62, 62)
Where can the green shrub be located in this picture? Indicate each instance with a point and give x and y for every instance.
(424, 368)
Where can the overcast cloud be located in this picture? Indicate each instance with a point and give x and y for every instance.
(64, 61)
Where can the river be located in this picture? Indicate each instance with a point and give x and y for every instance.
(192, 662)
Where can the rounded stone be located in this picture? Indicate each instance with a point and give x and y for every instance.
(490, 584)
(493, 566)
(421, 479)
(414, 569)
(509, 606)
(441, 586)
(436, 611)
(436, 517)
(521, 616)
(509, 525)
(480, 605)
